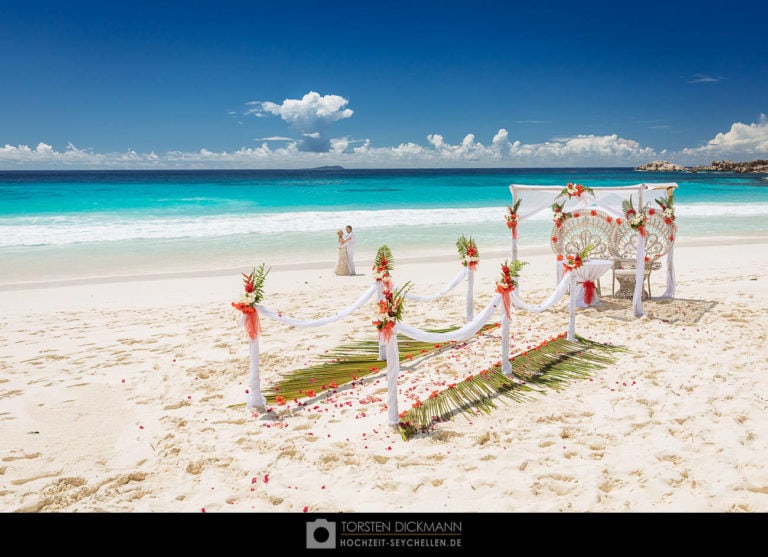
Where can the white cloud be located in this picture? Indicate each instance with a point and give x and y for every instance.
(704, 78)
(310, 116)
(741, 142)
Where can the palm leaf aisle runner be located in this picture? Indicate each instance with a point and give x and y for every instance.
(551, 364)
(348, 363)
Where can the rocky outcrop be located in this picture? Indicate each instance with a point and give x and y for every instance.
(758, 166)
(661, 166)
(730, 166)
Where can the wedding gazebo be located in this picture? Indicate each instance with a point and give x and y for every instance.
(640, 214)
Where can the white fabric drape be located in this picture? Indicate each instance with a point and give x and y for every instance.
(462, 333)
(553, 298)
(318, 322)
(470, 313)
(670, 291)
(393, 371)
(255, 398)
(450, 286)
(591, 270)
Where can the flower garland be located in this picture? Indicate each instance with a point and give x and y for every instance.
(389, 310)
(382, 265)
(468, 252)
(512, 217)
(253, 293)
(575, 190)
(573, 261)
(558, 216)
(510, 270)
(636, 219)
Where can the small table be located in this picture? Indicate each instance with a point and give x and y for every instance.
(590, 271)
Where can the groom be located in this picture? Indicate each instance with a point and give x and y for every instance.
(349, 243)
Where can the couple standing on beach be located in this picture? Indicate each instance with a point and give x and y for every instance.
(346, 263)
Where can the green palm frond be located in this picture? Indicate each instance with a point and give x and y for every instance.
(350, 362)
(552, 364)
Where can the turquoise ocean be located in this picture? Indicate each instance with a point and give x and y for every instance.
(68, 225)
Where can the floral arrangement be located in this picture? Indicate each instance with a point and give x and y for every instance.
(512, 217)
(382, 265)
(558, 215)
(468, 252)
(253, 293)
(575, 190)
(389, 310)
(510, 270)
(636, 219)
(575, 260)
(667, 206)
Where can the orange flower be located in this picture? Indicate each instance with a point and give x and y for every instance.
(332, 384)
(309, 393)
(433, 394)
(484, 372)
(416, 404)
(279, 400)
(403, 413)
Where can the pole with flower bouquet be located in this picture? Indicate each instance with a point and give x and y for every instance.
(570, 263)
(505, 285)
(253, 293)
(389, 311)
(382, 265)
(469, 256)
(513, 219)
(668, 210)
(637, 218)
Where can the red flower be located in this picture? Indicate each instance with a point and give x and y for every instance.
(403, 413)
(554, 239)
(560, 257)
(608, 219)
(309, 393)
(576, 214)
(593, 212)
(651, 211)
(332, 384)
(279, 400)
(416, 404)
(433, 394)
(618, 221)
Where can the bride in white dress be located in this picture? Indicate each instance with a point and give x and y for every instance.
(342, 266)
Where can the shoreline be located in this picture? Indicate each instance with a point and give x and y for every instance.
(363, 259)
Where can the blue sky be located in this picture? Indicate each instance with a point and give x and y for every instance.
(397, 84)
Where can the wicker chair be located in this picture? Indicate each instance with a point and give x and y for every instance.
(582, 229)
(624, 252)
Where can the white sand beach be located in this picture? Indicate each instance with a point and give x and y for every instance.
(126, 395)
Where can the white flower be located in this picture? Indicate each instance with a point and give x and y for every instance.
(669, 213)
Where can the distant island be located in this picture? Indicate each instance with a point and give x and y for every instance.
(758, 166)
